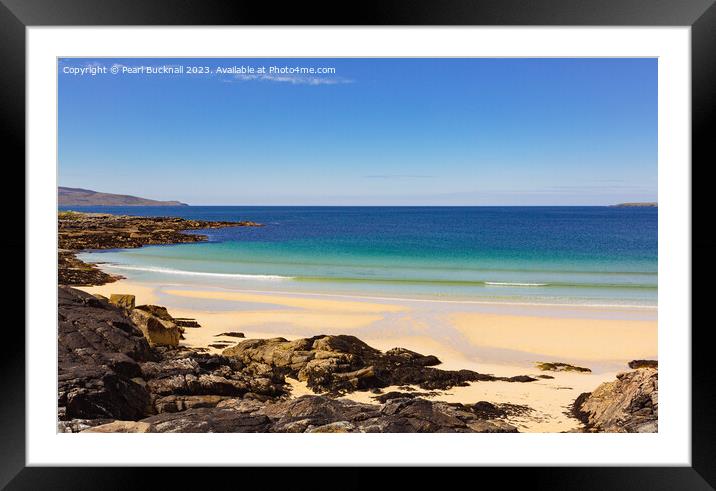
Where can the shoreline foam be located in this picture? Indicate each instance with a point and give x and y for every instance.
(280, 278)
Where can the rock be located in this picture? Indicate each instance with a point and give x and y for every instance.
(337, 427)
(120, 427)
(81, 231)
(122, 300)
(323, 414)
(629, 404)
(560, 367)
(487, 410)
(186, 322)
(184, 372)
(157, 311)
(231, 334)
(519, 378)
(112, 380)
(403, 395)
(342, 363)
(643, 364)
(99, 350)
(156, 330)
(108, 370)
(422, 416)
(205, 420)
(78, 425)
(176, 403)
(395, 395)
(72, 271)
(104, 231)
(492, 427)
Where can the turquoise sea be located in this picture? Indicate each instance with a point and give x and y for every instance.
(555, 255)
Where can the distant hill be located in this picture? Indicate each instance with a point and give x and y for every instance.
(649, 204)
(85, 197)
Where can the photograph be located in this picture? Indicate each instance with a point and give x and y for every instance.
(357, 245)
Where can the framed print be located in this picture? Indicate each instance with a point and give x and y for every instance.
(444, 236)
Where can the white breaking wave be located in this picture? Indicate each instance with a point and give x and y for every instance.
(152, 269)
(375, 297)
(498, 283)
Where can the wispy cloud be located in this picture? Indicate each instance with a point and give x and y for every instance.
(398, 176)
(291, 79)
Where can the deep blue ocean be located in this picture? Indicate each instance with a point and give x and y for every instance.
(586, 255)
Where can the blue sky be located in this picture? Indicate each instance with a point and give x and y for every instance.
(374, 132)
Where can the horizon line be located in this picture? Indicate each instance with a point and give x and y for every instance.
(646, 203)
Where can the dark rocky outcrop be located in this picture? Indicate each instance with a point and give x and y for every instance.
(556, 366)
(205, 420)
(108, 370)
(342, 363)
(85, 231)
(643, 364)
(186, 322)
(630, 404)
(72, 271)
(184, 372)
(99, 351)
(112, 380)
(382, 398)
(319, 414)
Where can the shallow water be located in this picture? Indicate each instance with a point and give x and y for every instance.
(581, 255)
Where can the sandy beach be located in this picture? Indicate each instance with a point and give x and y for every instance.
(403, 245)
(499, 339)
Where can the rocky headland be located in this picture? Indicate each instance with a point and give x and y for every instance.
(87, 197)
(86, 231)
(641, 204)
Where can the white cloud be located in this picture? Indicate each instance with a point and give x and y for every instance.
(398, 176)
(292, 79)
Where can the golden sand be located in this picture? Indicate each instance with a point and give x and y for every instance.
(520, 340)
(585, 339)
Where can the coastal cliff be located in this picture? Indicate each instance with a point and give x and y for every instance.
(86, 231)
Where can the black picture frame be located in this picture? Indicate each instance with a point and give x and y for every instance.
(700, 15)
